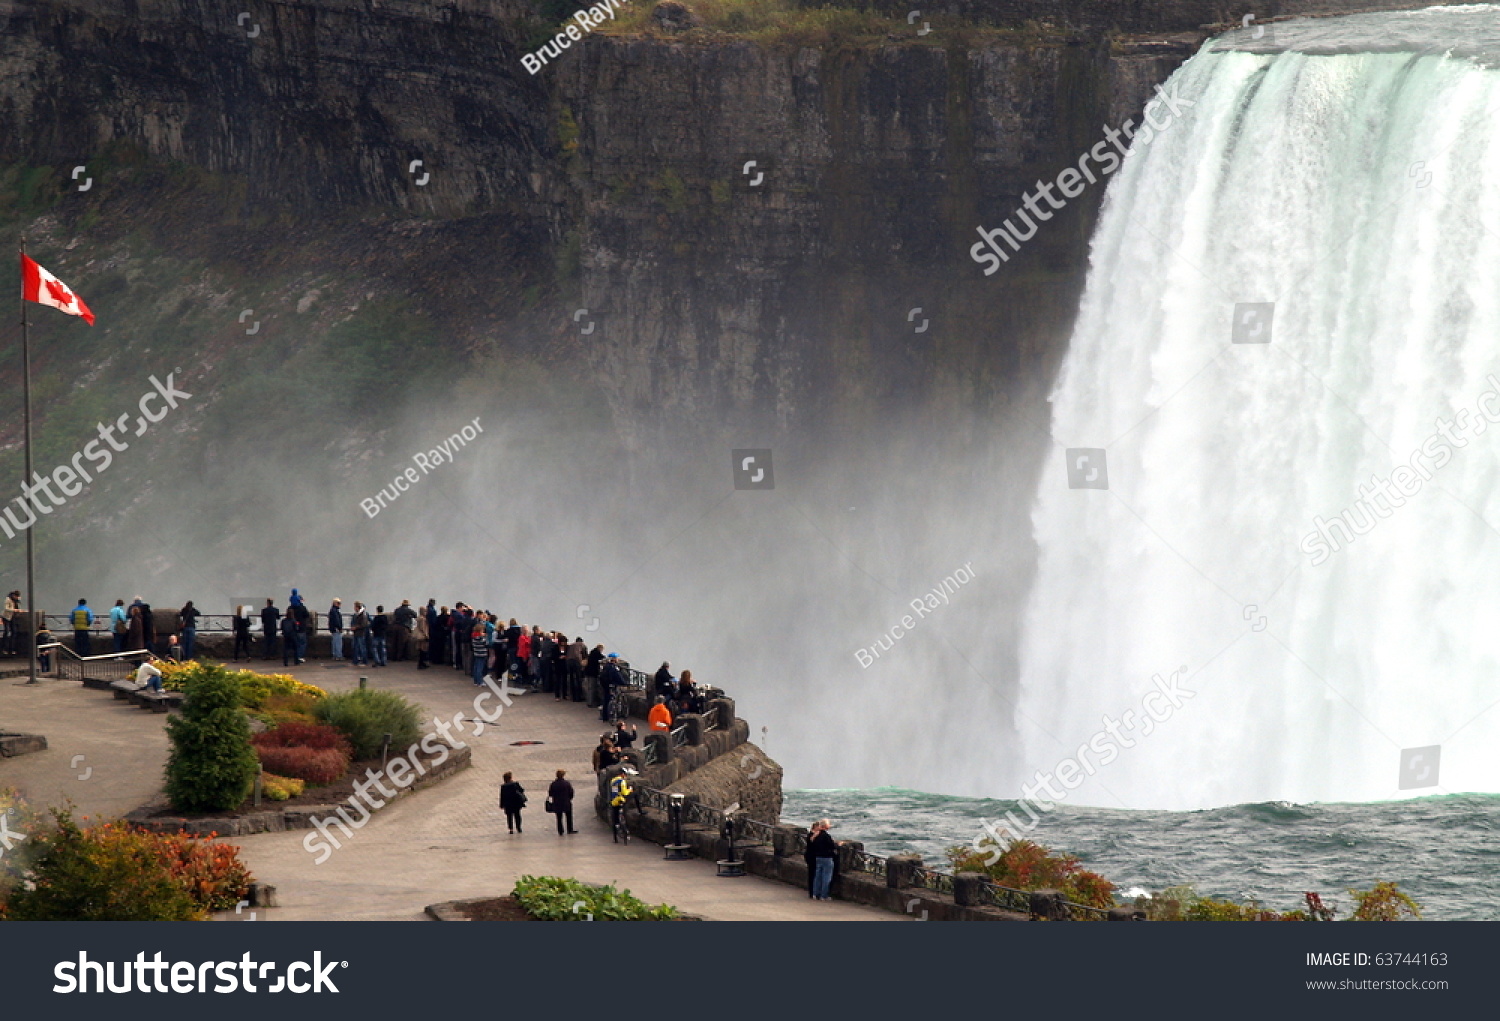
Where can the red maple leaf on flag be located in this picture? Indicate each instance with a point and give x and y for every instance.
(59, 292)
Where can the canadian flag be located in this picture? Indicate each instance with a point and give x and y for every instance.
(42, 287)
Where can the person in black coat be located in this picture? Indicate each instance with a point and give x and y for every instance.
(624, 735)
(269, 616)
(560, 801)
(241, 632)
(512, 799)
(288, 640)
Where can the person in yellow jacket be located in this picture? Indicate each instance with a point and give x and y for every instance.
(660, 717)
(620, 792)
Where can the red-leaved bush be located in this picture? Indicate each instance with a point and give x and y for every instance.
(295, 734)
(315, 765)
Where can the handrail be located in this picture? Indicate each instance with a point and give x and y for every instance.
(91, 659)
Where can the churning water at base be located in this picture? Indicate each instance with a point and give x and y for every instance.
(1441, 850)
(1359, 194)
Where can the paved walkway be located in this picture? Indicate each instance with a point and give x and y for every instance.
(123, 748)
(444, 843)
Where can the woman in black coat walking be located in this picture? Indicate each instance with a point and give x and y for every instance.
(560, 801)
(512, 799)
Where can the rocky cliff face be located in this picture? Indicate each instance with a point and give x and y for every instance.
(784, 295)
(780, 303)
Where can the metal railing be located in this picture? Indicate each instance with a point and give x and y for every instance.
(679, 737)
(871, 864)
(163, 622)
(1005, 898)
(931, 879)
(754, 831)
(114, 666)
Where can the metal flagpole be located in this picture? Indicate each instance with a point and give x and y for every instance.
(31, 610)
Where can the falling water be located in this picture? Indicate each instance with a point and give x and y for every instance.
(1348, 172)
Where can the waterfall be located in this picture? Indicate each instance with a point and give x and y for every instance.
(1351, 192)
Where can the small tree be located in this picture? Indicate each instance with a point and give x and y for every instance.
(212, 765)
(1024, 865)
(1384, 903)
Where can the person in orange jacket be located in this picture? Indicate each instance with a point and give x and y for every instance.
(660, 717)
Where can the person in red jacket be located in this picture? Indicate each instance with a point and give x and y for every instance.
(660, 717)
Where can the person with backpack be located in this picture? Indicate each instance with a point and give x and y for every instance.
(560, 801)
(359, 629)
(304, 620)
(83, 618)
(479, 647)
(512, 799)
(135, 636)
(187, 626)
(119, 624)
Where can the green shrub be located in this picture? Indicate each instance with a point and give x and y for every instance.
(555, 899)
(211, 766)
(366, 715)
(79, 877)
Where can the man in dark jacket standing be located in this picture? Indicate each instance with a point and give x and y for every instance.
(560, 801)
(242, 631)
(403, 620)
(268, 622)
(576, 653)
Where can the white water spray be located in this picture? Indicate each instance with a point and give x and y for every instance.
(1359, 192)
